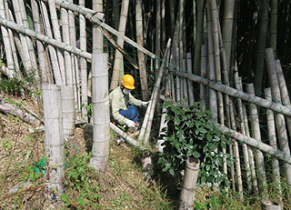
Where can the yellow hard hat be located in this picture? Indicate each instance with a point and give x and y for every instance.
(128, 81)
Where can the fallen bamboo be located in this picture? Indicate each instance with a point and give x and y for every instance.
(9, 109)
(125, 136)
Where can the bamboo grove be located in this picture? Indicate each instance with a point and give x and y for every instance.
(231, 55)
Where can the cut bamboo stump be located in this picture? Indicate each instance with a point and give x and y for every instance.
(270, 205)
(189, 185)
(54, 142)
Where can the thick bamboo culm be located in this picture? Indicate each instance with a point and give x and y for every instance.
(256, 134)
(54, 141)
(101, 112)
(280, 119)
(203, 75)
(273, 143)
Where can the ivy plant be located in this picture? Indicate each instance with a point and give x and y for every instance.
(192, 133)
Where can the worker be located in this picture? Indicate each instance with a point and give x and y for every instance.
(123, 104)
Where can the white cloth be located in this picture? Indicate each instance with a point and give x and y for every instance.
(130, 124)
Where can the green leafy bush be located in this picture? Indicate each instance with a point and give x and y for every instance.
(192, 133)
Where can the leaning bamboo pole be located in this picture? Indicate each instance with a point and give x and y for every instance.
(283, 90)
(118, 70)
(25, 55)
(52, 50)
(57, 36)
(280, 120)
(250, 150)
(257, 135)
(7, 44)
(157, 34)
(34, 69)
(96, 19)
(141, 57)
(241, 117)
(46, 39)
(255, 143)
(101, 118)
(12, 42)
(273, 143)
(40, 48)
(277, 107)
(147, 123)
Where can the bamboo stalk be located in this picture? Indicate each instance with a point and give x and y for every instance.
(25, 55)
(190, 85)
(283, 90)
(280, 120)
(258, 154)
(118, 62)
(54, 142)
(256, 144)
(147, 123)
(96, 19)
(97, 5)
(250, 152)
(244, 146)
(7, 44)
(57, 36)
(100, 101)
(40, 49)
(211, 73)
(273, 143)
(141, 57)
(52, 50)
(83, 64)
(202, 87)
(66, 39)
(184, 84)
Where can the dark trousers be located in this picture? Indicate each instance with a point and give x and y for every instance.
(131, 113)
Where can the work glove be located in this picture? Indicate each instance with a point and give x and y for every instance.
(130, 124)
(145, 103)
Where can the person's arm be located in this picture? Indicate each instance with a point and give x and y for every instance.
(134, 101)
